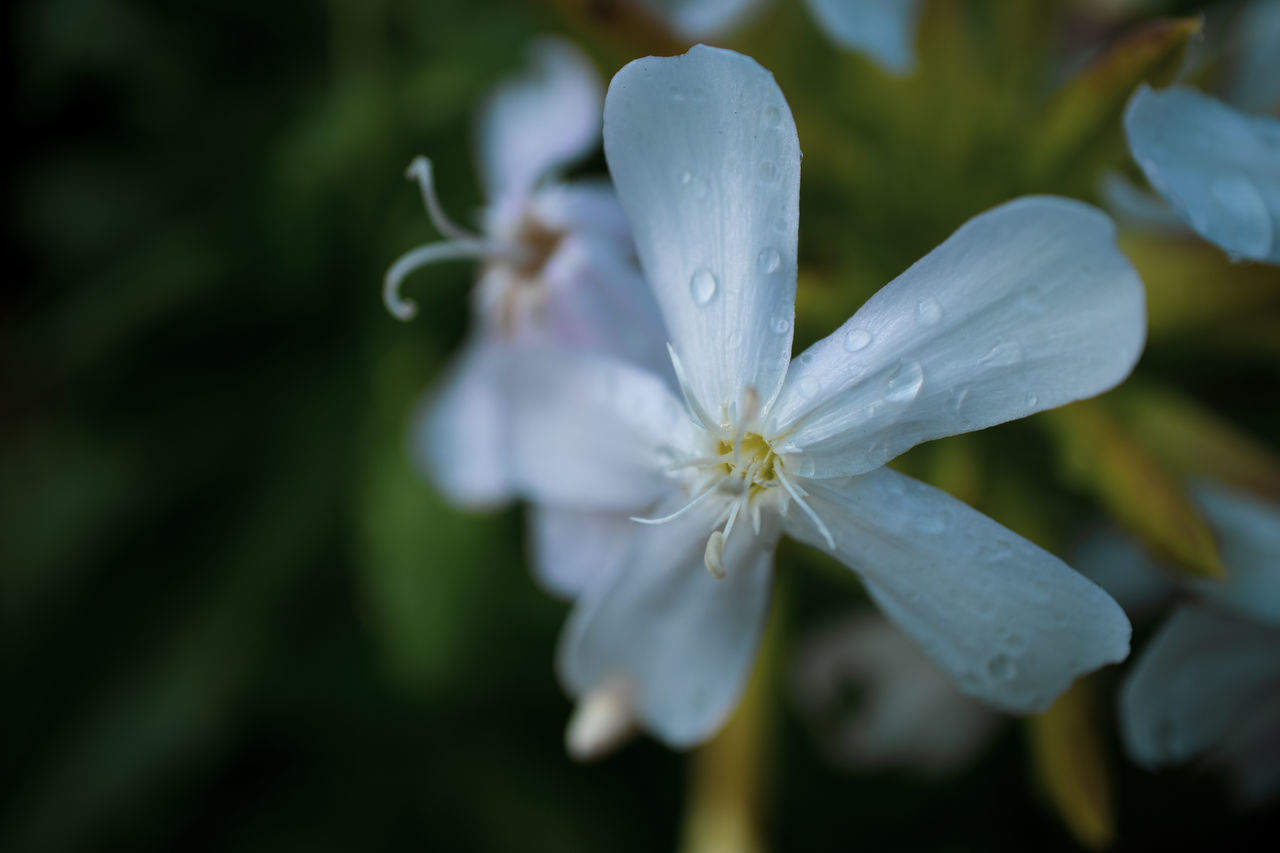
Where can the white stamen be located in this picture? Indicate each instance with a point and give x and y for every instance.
(421, 171)
(795, 494)
(682, 510)
(405, 309)
(755, 517)
(714, 555)
(601, 722)
(690, 401)
(698, 462)
(733, 512)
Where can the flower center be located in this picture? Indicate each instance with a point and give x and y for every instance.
(749, 463)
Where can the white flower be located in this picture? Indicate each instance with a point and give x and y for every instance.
(1217, 167)
(884, 30)
(1208, 683)
(1026, 307)
(905, 712)
(557, 266)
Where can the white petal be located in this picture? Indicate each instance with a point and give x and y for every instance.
(1026, 307)
(1194, 682)
(542, 119)
(1010, 622)
(596, 298)
(588, 432)
(571, 549)
(1248, 529)
(910, 713)
(883, 29)
(458, 437)
(587, 206)
(683, 641)
(706, 161)
(698, 19)
(1218, 167)
(1132, 205)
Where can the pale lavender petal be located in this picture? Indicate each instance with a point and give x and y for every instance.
(1248, 529)
(885, 30)
(701, 19)
(572, 549)
(1120, 565)
(1010, 622)
(542, 119)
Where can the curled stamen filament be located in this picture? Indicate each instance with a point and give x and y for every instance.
(421, 171)
(682, 510)
(795, 493)
(405, 309)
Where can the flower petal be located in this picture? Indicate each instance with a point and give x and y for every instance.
(682, 640)
(1249, 531)
(1133, 205)
(696, 19)
(586, 206)
(539, 120)
(596, 298)
(706, 161)
(1194, 682)
(589, 432)
(1217, 166)
(459, 434)
(1120, 565)
(571, 549)
(1010, 622)
(1026, 307)
(885, 30)
(1255, 80)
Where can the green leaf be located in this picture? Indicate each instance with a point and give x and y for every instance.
(1070, 765)
(1080, 126)
(1103, 455)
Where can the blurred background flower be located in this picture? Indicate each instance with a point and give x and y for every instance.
(234, 616)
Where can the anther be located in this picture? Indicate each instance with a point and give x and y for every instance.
(601, 722)
(714, 556)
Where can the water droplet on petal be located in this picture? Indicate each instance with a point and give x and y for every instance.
(1032, 400)
(856, 340)
(773, 117)
(955, 400)
(768, 260)
(905, 383)
(1002, 667)
(686, 178)
(808, 386)
(1016, 644)
(929, 312)
(702, 286)
(782, 325)
(677, 94)
(932, 523)
(1005, 353)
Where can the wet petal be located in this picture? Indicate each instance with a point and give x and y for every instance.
(542, 119)
(697, 19)
(459, 435)
(1010, 622)
(1248, 528)
(1194, 682)
(1026, 307)
(571, 549)
(885, 30)
(1133, 205)
(1118, 564)
(682, 641)
(706, 161)
(589, 432)
(1217, 166)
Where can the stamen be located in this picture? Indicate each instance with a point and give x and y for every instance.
(682, 510)
(405, 309)
(421, 171)
(733, 512)
(714, 555)
(822, 528)
(748, 408)
(698, 462)
(690, 401)
(755, 517)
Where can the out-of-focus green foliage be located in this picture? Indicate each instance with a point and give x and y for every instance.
(1071, 764)
(233, 615)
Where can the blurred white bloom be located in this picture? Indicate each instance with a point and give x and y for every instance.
(884, 30)
(1217, 167)
(905, 712)
(557, 266)
(1208, 683)
(1026, 307)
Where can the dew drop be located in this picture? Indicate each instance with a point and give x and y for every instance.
(702, 286)
(782, 325)
(856, 340)
(1002, 667)
(781, 224)
(734, 339)
(1032, 400)
(808, 386)
(686, 178)
(773, 117)
(929, 312)
(932, 523)
(768, 171)
(905, 383)
(677, 94)
(1016, 644)
(768, 260)
(1005, 353)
